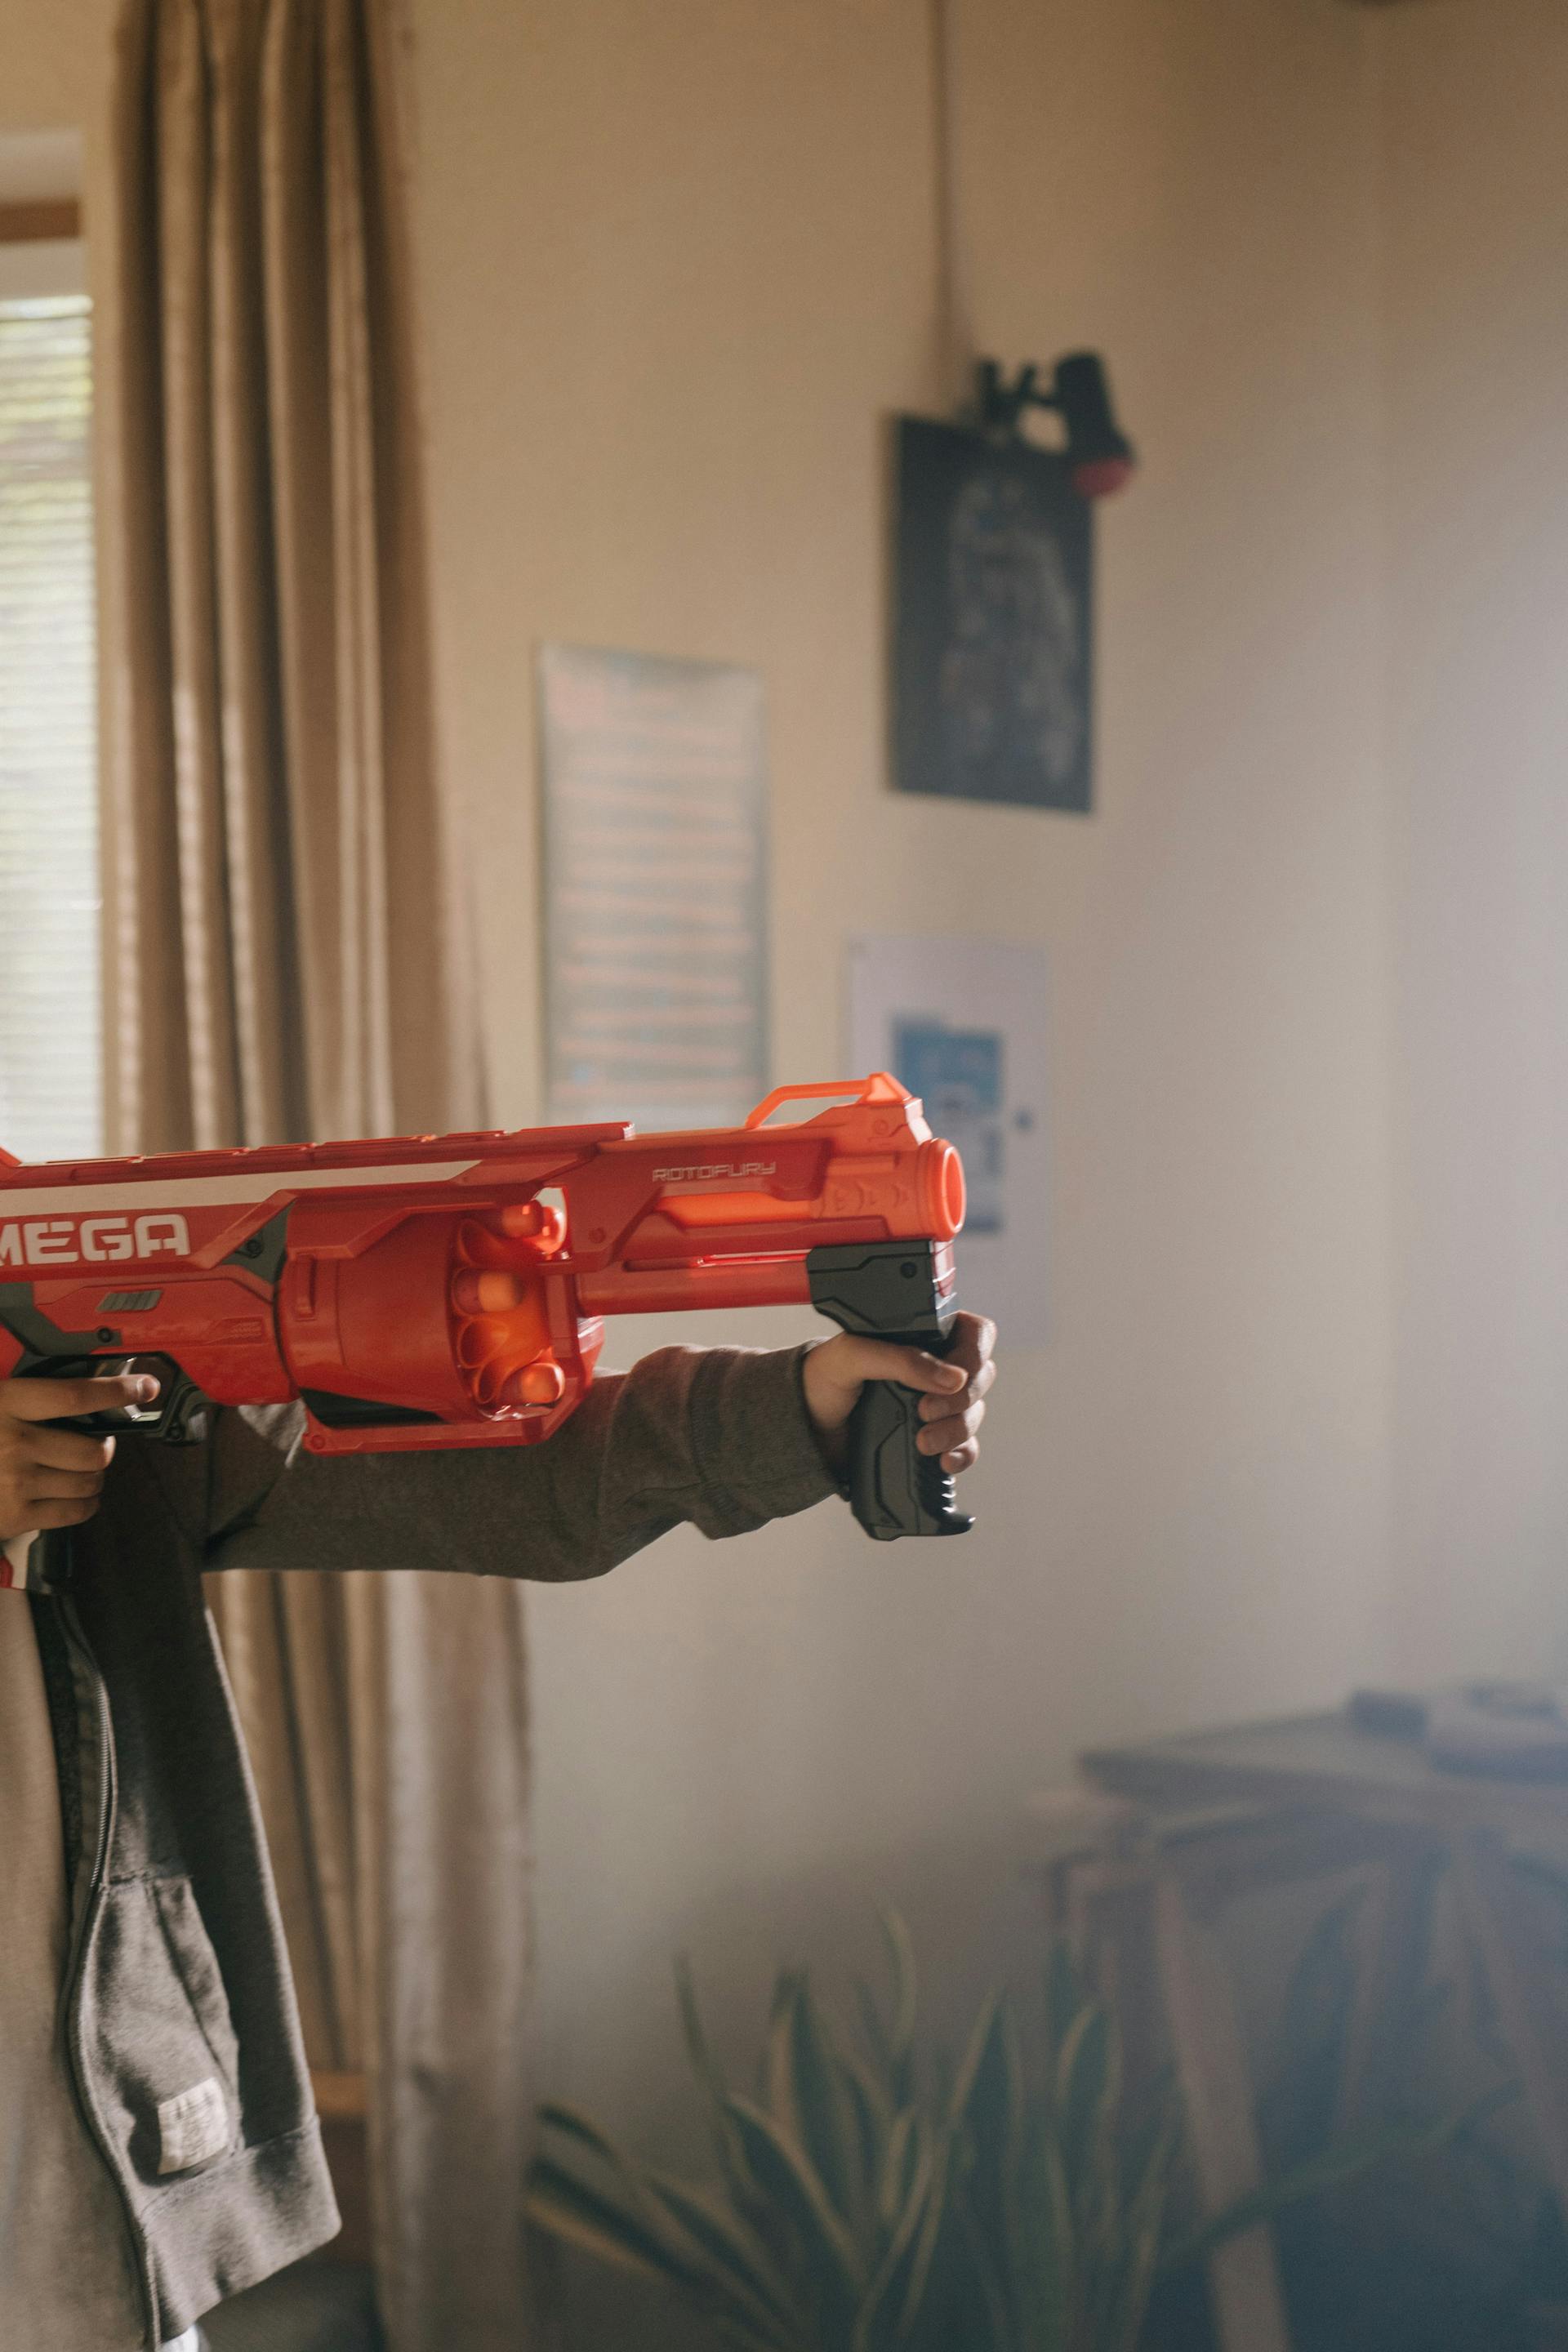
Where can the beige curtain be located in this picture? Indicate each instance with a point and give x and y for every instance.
(283, 963)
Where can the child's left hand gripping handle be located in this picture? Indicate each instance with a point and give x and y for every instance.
(894, 1488)
(901, 1291)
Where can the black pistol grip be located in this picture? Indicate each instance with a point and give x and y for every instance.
(899, 1291)
(894, 1488)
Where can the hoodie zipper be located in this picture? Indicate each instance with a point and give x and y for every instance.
(104, 1797)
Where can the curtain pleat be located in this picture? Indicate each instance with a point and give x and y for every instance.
(284, 964)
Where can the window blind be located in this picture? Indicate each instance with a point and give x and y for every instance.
(51, 1026)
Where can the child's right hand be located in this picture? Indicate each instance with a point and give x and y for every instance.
(54, 1478)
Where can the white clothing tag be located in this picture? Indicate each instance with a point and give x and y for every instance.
(193, 2126)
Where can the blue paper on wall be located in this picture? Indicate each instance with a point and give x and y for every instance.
(963, 1024)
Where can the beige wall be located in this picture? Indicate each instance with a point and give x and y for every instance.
(679, 267)
(1476, 211)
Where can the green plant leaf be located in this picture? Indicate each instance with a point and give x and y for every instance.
(1087, 2096)
(891, 2302)
(890, 2041)
(772, 2088)
(988, 2098)
(988, 2113)
(784, 2173)
(1336, 2167)
(1149, 2178)
(906, 1980)
(649, 2215)
(874, 2033)
(1048, 2266)
(704, 2064)
(644, 2228)
(873, 2117)
(1133, 2283)
(931, 2203)
(892, 2181)
(988, 2279)
(1153, 2144)
(810, 2097)
(557, 2201)
(629, 2176)
(1067, 1996)
(735, 2252)
(1296, 2114)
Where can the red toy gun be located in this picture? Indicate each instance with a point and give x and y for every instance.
(448, 1290)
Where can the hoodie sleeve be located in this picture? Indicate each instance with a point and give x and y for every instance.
(717, 1437)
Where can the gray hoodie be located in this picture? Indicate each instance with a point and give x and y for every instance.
(181, 2036)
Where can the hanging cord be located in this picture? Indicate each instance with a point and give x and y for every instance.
(954, 313)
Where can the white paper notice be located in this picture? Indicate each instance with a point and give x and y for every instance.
(656, 888)
(961, 1022)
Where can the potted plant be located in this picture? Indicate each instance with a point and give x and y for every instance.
(862, 2206)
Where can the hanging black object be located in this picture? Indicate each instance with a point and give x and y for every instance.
(993, 582)
(993, 649)
(1099, 456)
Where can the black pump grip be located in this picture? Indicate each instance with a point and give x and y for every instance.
(903, 1292)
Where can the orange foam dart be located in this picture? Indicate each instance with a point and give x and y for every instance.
(501, 1309)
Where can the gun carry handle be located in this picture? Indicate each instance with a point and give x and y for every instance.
(897, 1291)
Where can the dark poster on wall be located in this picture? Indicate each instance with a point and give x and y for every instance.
(992, 670)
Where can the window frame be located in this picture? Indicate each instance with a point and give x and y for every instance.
(43, 257)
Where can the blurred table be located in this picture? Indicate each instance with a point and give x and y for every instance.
(1323, 1762)
(1143, 1859)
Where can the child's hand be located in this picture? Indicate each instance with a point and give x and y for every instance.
(54, 1478)
(955, 1385)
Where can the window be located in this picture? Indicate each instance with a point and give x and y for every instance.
(50, 1026)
